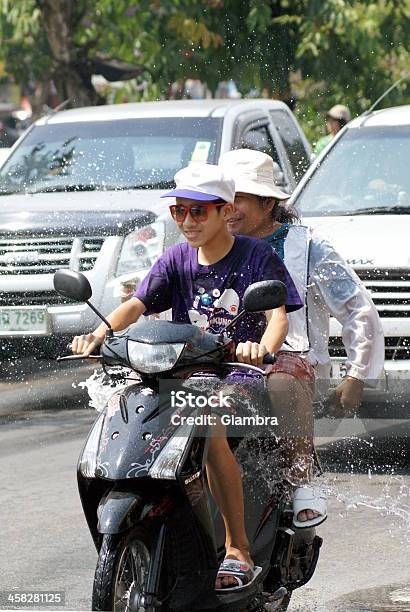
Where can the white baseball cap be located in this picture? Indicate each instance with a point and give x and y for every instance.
(253, 172)
(203, 182)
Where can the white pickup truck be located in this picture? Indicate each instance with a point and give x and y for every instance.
(357, 193)
(81, 189)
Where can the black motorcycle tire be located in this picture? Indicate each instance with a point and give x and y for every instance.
(112, 552)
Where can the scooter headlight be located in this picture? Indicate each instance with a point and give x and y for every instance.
(150, 358)
(166, 464)
(88, 459)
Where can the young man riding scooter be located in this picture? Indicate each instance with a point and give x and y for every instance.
(203, 281)
(328, 286)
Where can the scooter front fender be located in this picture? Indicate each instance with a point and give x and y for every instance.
(118, 511)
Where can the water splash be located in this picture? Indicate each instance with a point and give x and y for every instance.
(101, 387)
(391, 498)
(261, 463)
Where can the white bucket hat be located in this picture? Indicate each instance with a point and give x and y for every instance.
(253, 172)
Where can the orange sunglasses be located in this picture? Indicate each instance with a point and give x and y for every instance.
(198, 212)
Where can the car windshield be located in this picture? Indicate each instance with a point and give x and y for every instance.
(366, 172)
(123, 154)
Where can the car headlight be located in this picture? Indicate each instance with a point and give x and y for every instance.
(151, 358)
(141, 248)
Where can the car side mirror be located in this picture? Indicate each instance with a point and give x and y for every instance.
(265, 295)
(73, 285)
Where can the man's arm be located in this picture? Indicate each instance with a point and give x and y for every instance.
(153, 295)
(129, 312)
(271, 341)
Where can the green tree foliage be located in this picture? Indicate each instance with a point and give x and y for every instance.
(326, 51)
(23, 41)
(351, 52)
(57, 39)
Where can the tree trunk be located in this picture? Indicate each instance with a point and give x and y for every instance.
(70, 84)
(71, 76)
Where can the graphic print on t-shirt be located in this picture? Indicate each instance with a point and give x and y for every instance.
(209, 308)
(229, 300)
(193, 291)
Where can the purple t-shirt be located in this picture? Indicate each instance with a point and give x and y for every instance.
(210, 296)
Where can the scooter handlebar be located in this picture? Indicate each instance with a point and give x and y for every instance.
(269, 358)
(69, 348)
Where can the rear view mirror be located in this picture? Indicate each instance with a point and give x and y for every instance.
(73, 285)
(265, 295)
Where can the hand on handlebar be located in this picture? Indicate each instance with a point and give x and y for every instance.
(86, 345)
(252, 353)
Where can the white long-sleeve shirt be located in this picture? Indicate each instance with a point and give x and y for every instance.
(333, 289)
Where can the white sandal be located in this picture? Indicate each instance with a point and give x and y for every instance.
(308, 498)
(243, 573)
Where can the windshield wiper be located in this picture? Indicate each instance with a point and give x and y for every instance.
(56, 189)
(89, 187)
(160, 185)
(382, 210)
(5, 192)
(68, 188)
(95, 187)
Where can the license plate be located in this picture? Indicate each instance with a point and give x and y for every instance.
(339, 369)
(23, 321)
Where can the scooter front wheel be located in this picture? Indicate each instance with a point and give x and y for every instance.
(122, 571)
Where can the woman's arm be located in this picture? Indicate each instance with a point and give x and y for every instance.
(277, 329)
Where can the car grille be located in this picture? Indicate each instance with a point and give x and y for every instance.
(33, 298)
(390, 292)
(389, 289)
(46, 255)
(395, 348)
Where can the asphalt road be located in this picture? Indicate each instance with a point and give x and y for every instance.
(28, 384)
(364, 563)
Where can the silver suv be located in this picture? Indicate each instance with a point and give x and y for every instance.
(358, 194)
(81, 190)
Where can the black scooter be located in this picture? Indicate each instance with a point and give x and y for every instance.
(143, 485)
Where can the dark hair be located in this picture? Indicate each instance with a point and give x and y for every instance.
(280, 212)
(341, 122)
